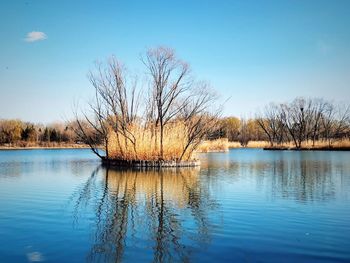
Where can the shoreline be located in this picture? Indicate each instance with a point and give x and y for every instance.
(58, 147)
(307, 149)
(149, 164)
(80, 146)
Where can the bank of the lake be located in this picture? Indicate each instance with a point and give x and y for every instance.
(44, 146)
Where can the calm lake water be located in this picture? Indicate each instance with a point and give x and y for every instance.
(243, 206)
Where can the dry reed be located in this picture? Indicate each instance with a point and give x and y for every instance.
(319, 144)
(218, 145)
(258, 144)
(345, 143)
(222, 145)
(147, 143)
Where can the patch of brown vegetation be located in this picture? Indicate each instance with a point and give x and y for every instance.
(318, 145)
(147, 141)
(23, 145)
(218, 145)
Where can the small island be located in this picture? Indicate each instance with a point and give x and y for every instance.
(157, 123)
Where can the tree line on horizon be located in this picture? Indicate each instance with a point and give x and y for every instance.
(300, 120)
(14, 132)
(305, 120)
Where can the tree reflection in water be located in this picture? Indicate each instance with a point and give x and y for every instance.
(304, 180)
(300, 176)
(147, 210)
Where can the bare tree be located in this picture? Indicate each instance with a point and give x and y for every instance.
(114, 107)
(170, 82)
(200, 120)
(335, 122)
(120, 100)
(297, 117)
(303, 120)
(270, 121)
(172, 98)
(319, 109)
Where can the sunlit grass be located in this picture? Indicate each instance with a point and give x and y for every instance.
(147, 144)
(218, 145)
(222, 145)
(319, 144)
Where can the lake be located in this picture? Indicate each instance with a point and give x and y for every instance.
(247, 205)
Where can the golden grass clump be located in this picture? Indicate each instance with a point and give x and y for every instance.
(232, 145)
(147, 143)
(222, 145)
(345, 143)
(258, 144)
(218, 145)
(319, 144)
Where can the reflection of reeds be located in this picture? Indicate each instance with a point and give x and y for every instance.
(134, 202)
(176, 183)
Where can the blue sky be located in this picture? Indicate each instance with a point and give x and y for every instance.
(251, 51)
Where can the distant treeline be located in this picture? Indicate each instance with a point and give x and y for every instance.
(19, 133)
(238, 130)
(304, 120)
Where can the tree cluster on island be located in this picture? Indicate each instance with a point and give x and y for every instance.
(164, 118)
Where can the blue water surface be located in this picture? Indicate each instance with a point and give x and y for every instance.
(247, 205)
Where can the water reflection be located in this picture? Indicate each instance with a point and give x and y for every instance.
(243, 205)
(304, 180)
(298, 176)
(149, 205)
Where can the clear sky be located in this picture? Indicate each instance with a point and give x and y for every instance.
(251, 51)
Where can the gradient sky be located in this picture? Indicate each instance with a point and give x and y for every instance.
(251, 51)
